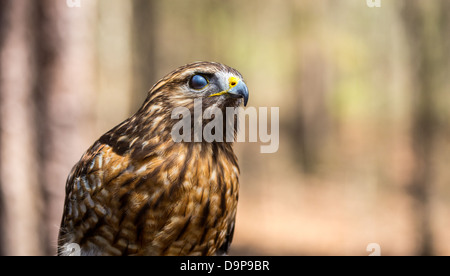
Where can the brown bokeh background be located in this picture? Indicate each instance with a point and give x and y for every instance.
(363, 94)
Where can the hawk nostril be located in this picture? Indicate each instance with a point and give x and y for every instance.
(233, 82)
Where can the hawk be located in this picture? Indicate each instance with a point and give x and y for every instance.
(138, 192)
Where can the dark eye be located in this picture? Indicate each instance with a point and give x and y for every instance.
(198, 82)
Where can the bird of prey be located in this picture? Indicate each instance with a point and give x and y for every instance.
(138, 192)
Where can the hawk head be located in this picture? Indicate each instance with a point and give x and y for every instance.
(215, 83)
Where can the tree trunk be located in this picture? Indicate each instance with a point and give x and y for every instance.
(65, 93)
(19, 185)
(426, 54)
(46, 87)
(144, 59)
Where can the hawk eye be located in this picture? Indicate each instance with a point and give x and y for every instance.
(198, 82)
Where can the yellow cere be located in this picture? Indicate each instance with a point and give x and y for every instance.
(233, 81)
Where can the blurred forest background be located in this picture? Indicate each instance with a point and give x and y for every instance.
(363, 93)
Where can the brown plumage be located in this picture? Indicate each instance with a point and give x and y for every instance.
(137, 192)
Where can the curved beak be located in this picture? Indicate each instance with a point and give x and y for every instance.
(239, 91)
